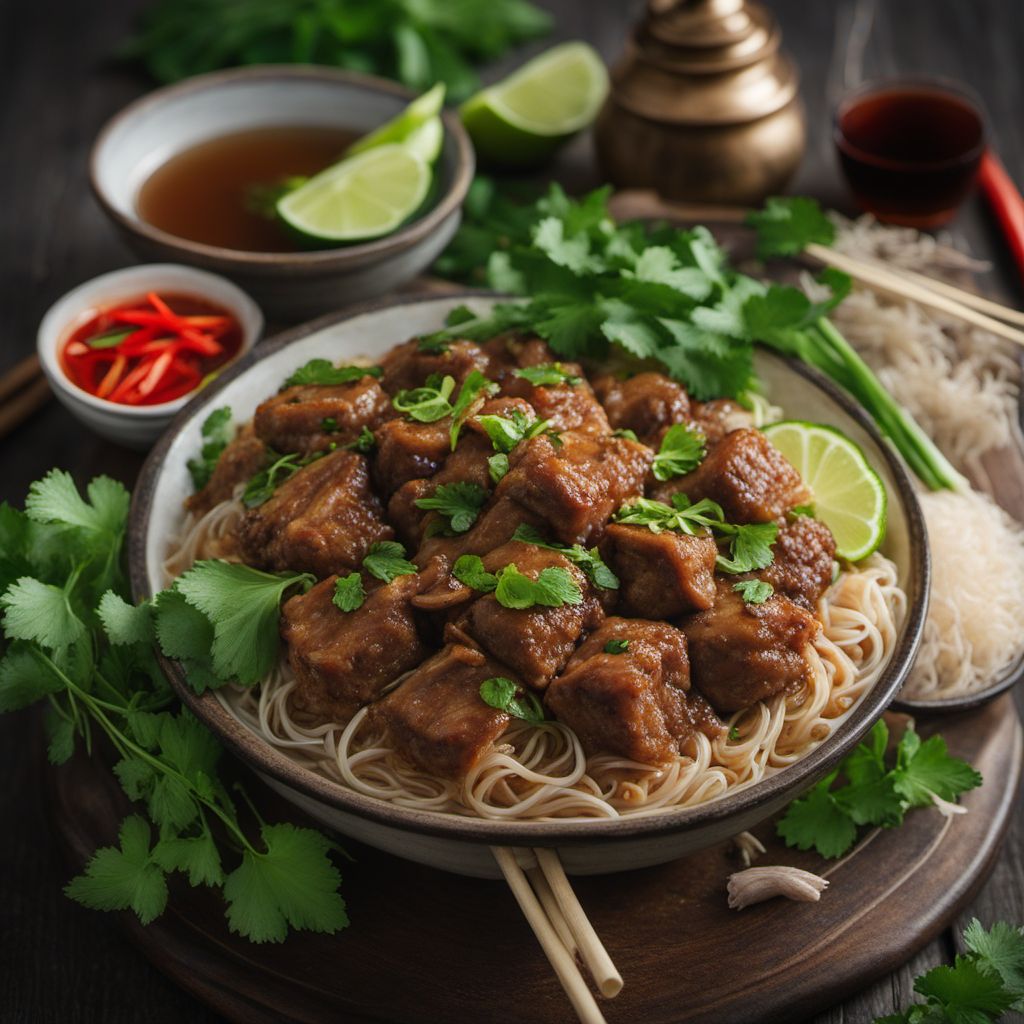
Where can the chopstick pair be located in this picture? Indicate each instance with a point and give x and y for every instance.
(563, 930)
(23, 389)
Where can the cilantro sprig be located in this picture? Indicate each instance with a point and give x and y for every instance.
(506, 432)
(548, 375)
(829, 816)
(474, 388)
(754, 591)
(553, 587)
(980, 986)
(588, 559)
(261, 485)
(681, 451)
(324, 372)
(459, 503)
(216, 433)
(75, 643)
(386, 560)
(504, 694)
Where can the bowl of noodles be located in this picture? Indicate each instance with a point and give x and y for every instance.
(371, 768)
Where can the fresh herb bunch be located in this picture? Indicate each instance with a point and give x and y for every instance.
(982, 985)
(829, 816)
(73, 642)
(418, 42)
(668, 297)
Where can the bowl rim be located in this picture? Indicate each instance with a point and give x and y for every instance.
(259, 755)
(54, 323)
(332, 258)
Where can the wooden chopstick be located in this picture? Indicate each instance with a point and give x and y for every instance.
(551, 908)
(592, 951)
(564, 965)
(893, 283)
(23, 389)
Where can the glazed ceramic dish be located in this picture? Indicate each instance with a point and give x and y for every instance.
(458, 843)
(290, 285)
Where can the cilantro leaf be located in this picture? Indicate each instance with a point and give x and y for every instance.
(125, 623)
(547, 375)
(386, 560)
(25, 678)
(754, 591)
(926, 768)
(428, 403)
(324, 372)
(964, 991)
(123, 877)
(504, 694)
(364, 443)
(788, 224)
(196, 856)
(817, 821)
(216, 434)
(261, 486)
(999, 951)
(497, 467)
(349, 593)
(458, 502)
(55, 499)
(506, 432)
(291, 883)
(553, 587)
(60, 732)
(682, 450)
(474, 388)
(681, 516)
(469, 570)
(590, 561)
(243, 606)
(616, 647)
(41, 612)
(750, 548)
(186, 634)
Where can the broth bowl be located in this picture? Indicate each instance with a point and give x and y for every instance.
(459, 843)
(288, 285)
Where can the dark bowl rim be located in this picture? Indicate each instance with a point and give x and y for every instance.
(265, 759)
(361, 253)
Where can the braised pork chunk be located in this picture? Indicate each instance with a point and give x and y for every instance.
(436, 718)
(719, 417)
(343, 660)
(647, 404)
(575, 483)
(310, 418)
(624, 692)
(322, 519)
(741, 653)
(662, 575)
(565, 406)
(241, 459)
(747, 475)
(534, 642)
(805, 552)
(409, 365)
(407, 450)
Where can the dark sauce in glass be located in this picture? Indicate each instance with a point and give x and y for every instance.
(910, 152)
(220, 192)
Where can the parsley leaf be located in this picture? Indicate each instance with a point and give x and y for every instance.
(817, 821)
(386, 560)
(682, 450)
(924, 769)
(428, 403)
(216, 434)
(458, 502)
(754, 591)
(589, 560)
(243, 605)
(475, 387)
(553, 587)
(469, 570)
(616, 647)
(324, 372)
(41, 612)
(505, 695)
(506, 432)
(750, 546)
(547, 375)
(788, 224)
(348, 592)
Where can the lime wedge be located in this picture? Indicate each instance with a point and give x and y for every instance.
(523, 119)
(360, 197)
(418, 126)
(849, 498)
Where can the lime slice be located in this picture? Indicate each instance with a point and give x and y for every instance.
(362, 196)
(848, 495)
(523, 119)
(418, 126)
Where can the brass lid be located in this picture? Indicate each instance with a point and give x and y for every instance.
(706, 62)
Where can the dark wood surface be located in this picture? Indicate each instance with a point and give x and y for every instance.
(60, 962)
(774, 962)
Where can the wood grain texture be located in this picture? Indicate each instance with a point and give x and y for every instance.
(63, 963)
(464, 952)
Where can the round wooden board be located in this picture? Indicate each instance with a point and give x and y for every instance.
(426, 945)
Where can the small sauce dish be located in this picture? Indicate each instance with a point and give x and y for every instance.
(135, 425)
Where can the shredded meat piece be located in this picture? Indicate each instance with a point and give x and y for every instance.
(309, 418)
(343, 660)
(647, 404)
(436, 718)
(758, 884)
(747, 475)
(322, 519)
(741, 653)
(633, 703)
(242, 458)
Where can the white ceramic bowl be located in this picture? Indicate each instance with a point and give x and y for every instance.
(288, 285)
(134, 426)
(458, 843)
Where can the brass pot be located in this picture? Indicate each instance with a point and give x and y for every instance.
(704, 106)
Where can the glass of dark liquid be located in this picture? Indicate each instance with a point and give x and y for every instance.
(910, 148)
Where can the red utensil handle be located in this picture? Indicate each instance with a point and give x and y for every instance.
(1006, 202)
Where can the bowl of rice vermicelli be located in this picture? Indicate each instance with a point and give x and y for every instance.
(537, 603)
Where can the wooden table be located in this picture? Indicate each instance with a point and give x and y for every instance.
(61, 962)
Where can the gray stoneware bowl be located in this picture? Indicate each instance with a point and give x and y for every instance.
(457, 843)
(288, 285)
